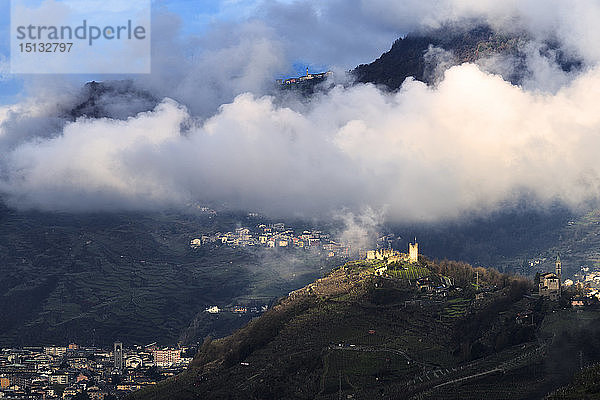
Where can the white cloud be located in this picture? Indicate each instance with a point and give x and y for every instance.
(472, 142)
(423, 153)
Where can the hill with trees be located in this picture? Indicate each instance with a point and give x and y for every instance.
(359, 333)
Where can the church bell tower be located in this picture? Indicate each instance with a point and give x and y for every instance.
(558, 269)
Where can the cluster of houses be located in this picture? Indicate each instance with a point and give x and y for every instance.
(63, 372)
(304, 78)
(587, 282)
(275, 236)
(238, 309)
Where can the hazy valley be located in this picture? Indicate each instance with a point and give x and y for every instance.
(213, 208)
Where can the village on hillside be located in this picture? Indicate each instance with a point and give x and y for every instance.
(308, 77)
(276, 236)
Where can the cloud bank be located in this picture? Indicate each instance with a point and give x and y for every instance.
(470, 143)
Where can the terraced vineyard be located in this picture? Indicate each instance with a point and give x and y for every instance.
(410, 272)
(456, 308)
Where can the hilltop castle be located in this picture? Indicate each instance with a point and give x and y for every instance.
(391, 255)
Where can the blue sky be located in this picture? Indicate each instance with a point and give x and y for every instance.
(196, 16)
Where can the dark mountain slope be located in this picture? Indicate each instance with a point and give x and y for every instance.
(407, 57)
(111, 99)
(95, 278)
(419, 54)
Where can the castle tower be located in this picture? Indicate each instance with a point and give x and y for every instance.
(413, 252)
(558, 269)
(118, 355)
